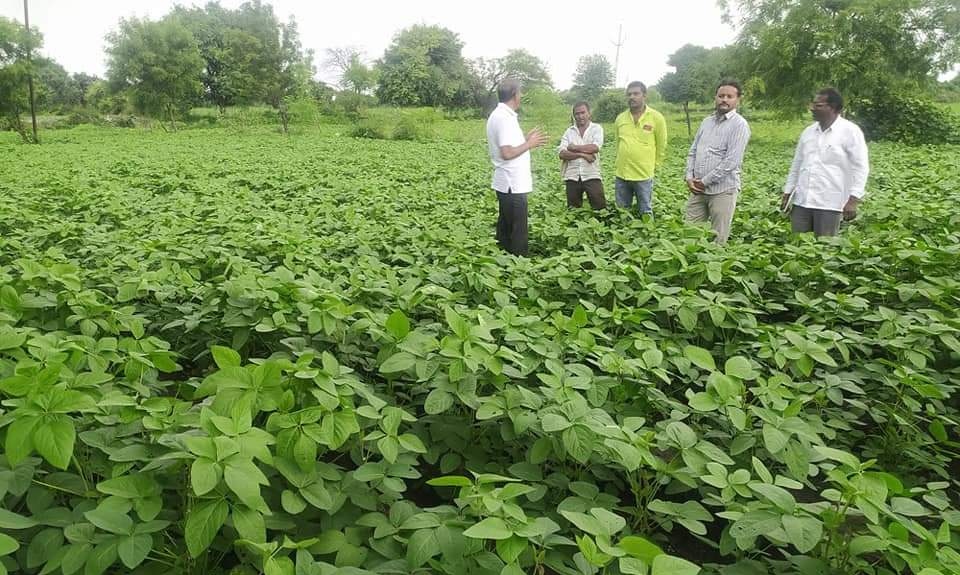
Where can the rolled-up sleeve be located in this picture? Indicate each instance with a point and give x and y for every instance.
(564, 141)
(598, 136)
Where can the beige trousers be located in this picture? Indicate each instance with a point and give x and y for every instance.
(716, 208)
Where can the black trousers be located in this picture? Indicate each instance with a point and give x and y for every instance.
(593, 189)
(512, 223)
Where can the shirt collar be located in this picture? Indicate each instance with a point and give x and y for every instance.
(836, 124)
(729, 114)
(509, 110)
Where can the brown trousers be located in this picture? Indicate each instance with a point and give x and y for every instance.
(593, 189)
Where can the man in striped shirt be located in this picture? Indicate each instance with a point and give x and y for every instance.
(714, 160)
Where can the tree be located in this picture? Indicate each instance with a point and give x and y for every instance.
(15, 40)
(237, 46)
(423, 67)
(56, 88)
(594, 74)
(524, 66)
(248, 55)
(158, 63)
(519, 64)
(288, 75)
(83, 82)
(101, 98)
(864, 48)
(692, 80)
(352, 73)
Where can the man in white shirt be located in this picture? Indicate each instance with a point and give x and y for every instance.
(828, 176)
(512, 180)
(579, 149)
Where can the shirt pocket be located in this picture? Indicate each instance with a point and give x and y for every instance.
(833, 155)
(717, 150)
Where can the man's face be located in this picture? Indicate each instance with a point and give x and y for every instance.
(636, 99)
(581, 115)
(516, 100)
(727, 99)
(821, 110)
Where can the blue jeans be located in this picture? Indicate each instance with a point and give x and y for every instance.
(626, 190)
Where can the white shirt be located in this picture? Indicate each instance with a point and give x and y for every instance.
(581, 169)
(503, 129)
(829, 166)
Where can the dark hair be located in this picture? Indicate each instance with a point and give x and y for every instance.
(508, 90)
(637, 84)
(730, 82)
(581, 103)
(833, 97)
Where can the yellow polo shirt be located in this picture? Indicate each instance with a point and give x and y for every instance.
(641, 145)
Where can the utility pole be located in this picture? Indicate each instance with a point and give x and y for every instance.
(616, 60)
(33, 110)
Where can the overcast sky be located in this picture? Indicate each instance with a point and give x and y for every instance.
(73, 31)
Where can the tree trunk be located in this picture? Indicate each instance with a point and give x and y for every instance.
(284, 118)
(686, 111)
(16, 124)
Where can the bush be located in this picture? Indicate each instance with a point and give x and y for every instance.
(907, 120)
(122, 121)
(352, 104)
(543, 107)
(417, 124)
(367, 129)
(609, 105)
(84, 116)
(305, 111)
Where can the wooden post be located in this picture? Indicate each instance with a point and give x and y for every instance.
(33, 109)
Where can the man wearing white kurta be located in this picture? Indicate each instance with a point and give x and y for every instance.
(828, 176)
(512, 180)
(580, 151)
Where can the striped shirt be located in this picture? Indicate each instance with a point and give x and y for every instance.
(716, 154)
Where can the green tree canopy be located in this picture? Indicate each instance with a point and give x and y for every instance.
(240, 48)
(352, 72)
(594, 74)
(423, 66)
(57, 90)
(15, 41)
(83, 82)
(288, 73)
(487, 73)
(863, 47)
(158, 63)
(695, 76)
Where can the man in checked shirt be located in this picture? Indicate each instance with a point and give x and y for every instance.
(714, 160)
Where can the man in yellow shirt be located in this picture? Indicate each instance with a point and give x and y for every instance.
(641, 146)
